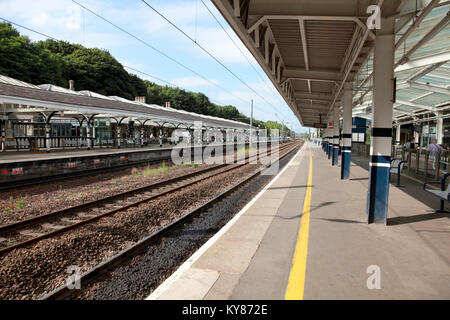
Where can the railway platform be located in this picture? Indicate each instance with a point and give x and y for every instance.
(23, 156)
(305, 236)
(16, 167)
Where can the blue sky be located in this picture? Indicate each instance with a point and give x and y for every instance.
(65, 20)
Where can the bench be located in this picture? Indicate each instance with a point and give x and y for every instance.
(396, 167)
(443, 194)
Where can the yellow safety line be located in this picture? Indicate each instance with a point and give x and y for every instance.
(296, 283)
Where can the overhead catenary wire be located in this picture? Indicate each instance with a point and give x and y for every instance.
(159, 51)
(167, 82)
(207, 52)
(26, 28)
(152, 76)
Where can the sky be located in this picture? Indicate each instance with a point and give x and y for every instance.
(66, 20)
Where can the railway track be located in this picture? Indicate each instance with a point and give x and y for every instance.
(63, 291)
(29, 231)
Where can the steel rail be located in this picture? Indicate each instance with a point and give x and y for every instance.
(97, 203)
(63, 290)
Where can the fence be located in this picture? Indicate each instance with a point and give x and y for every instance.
(419, 162)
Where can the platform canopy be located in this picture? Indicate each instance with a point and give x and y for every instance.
(422, 66)
(18, 97)
(311, 48)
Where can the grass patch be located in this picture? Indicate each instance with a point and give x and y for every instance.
(20, 204)
(10, 243)
(163, 169)
(17, 204)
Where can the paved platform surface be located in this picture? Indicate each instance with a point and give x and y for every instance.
(252, 256)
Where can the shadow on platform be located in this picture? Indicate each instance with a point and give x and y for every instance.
(416, 218)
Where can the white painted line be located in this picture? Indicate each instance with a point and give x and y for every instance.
(208, 244)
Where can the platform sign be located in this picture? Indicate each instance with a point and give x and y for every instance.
(320, 125)
(16, 171)
(330, 125)
(71, 165)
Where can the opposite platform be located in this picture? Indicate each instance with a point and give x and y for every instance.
(25, 156)
(336, 252)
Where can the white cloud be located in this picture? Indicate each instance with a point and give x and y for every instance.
(45, 14)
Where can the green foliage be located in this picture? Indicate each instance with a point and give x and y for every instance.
(24, 60)
(57, 62)
(270, 125)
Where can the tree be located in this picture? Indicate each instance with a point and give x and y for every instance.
(22, 59)
(97, 70)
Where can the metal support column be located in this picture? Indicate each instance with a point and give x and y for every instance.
(346, 131)
(330, 139)
(324, 139)
(439, 128)
(3, 130)
(118, 134)
(381, 137)
(89, 135)
(47, 136)
(335, 155)
(397, 134)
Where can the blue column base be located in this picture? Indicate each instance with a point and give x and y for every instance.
(330, 149)
(345, 164)
(335, 159)
(378, 194)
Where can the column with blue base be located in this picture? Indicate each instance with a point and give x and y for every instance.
(381, 135)
(335, 155)
(346, 131)
(324, 139)
(330, 141)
